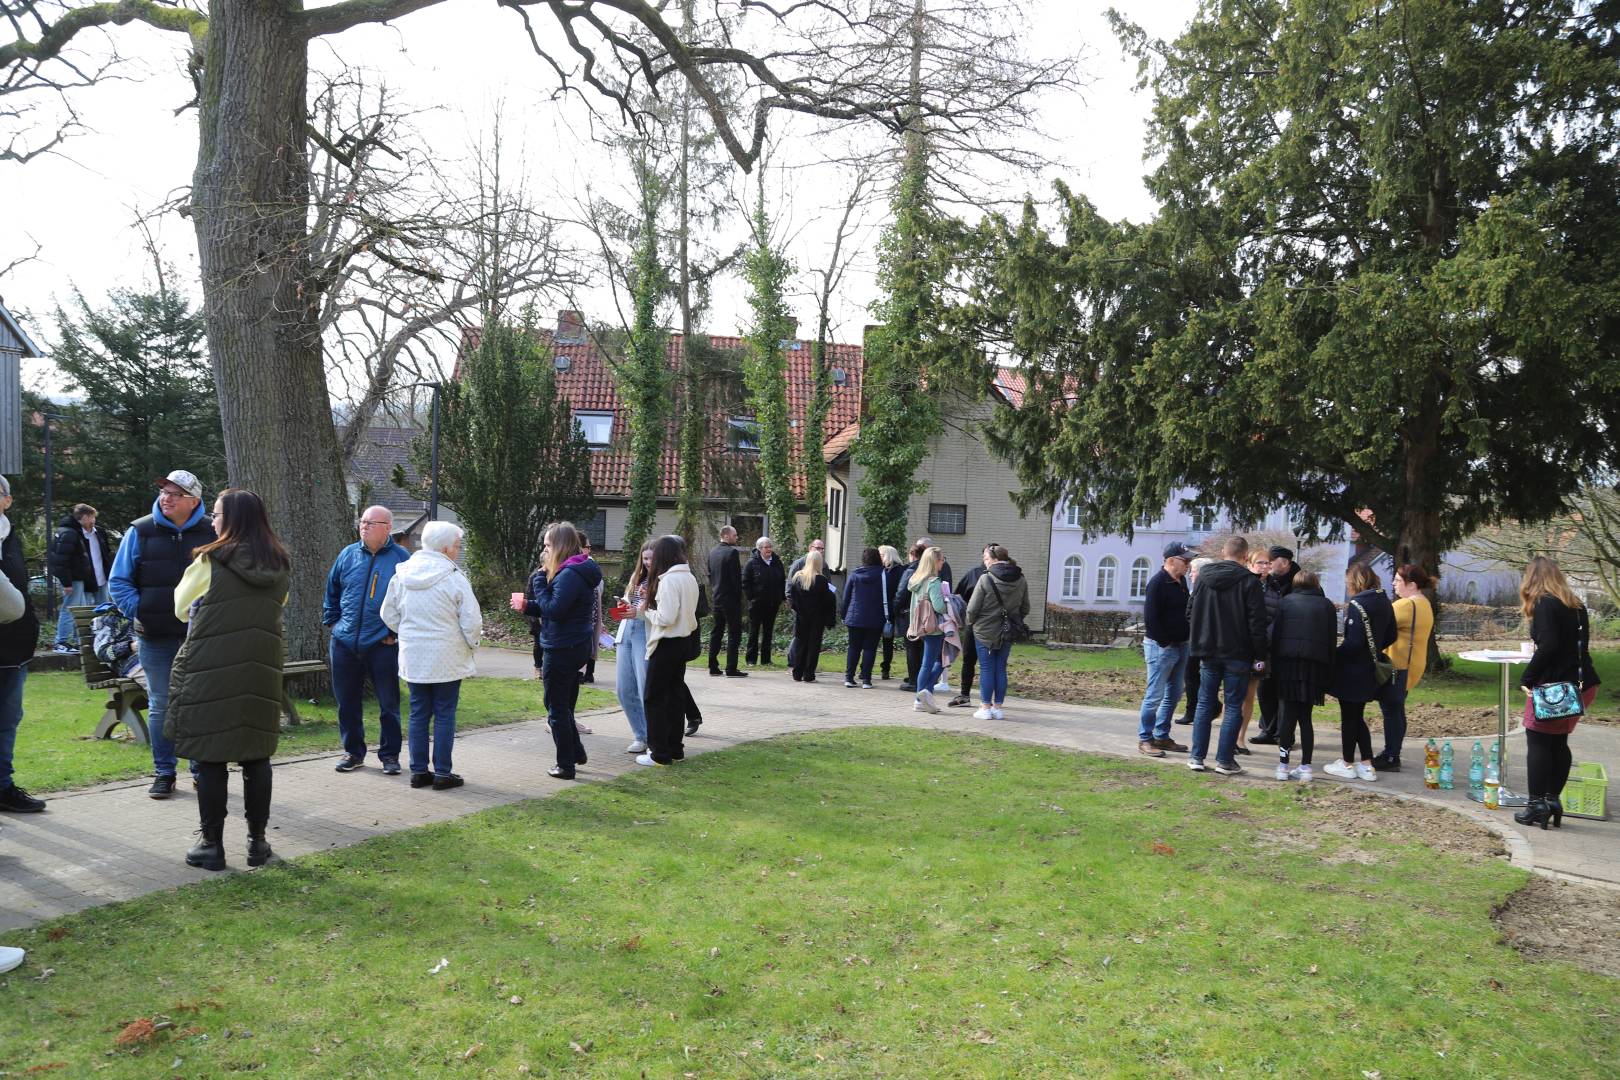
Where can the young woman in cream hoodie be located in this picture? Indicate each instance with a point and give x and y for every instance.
(670, 610)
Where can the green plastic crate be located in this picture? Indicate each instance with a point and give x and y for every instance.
(1584, 793)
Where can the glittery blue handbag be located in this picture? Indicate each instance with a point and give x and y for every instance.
(1556, 701)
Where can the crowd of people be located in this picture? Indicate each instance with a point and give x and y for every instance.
(1254, 627)
(201, 591)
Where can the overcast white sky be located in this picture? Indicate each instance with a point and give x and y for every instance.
(463, 58)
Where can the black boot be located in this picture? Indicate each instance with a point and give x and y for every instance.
(209, 851)
(258, 852)
(1557, 808)
(1536, 813)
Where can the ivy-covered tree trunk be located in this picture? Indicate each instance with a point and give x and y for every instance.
(643, 377)
(693, 422)
(765, 375)
(249, 203)
(813, 435)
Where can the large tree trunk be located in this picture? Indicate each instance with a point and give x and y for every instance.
(250, 203)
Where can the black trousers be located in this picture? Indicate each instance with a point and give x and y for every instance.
(560, 674)
(727, 619)
(761, 625)
(888, 655)
(1290, 713)
(665, 697)
(1547, 761)
(914, 647)
(1267, 695)
(1353, 731)
(255, 792)
(1193, 669)
(808, 651)
(970, 662)
(863, 643)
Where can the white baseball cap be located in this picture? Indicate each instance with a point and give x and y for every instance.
(185, 481)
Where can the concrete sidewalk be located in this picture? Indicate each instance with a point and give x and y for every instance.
(113, 843)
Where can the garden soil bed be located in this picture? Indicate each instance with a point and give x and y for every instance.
(1554, 920)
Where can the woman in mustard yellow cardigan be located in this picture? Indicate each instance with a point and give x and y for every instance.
(1414, 624)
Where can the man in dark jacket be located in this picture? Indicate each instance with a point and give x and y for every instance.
(80, 559)
(1278, 583)
(362, 646)
(17, 640)
(970, 652)
(725, 598)
(1164, 648)
(764, 583)
(155, 553)
(1227, 624)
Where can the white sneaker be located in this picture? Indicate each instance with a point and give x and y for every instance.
(1195, 765)
(1366, 772)
(925, 698)
(1282, 772)
(985, 713)
(1302, 773)
(647, 759)
(10, 958)
(1342, 769)
(637, 747)
(996, 713)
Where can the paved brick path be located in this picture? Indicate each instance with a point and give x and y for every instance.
(113, 843)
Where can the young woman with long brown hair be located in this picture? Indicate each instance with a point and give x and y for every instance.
(671, 613)
(565, 602)
(226, 693)
(1562, 633)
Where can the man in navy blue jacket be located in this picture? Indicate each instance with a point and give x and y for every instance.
(1164, 647)
(362, 645)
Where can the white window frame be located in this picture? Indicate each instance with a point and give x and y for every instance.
(742, 435)
(938, 527)
(1141, 570)
(835, 507)
(1074, 577)
(1107, 577)
(1203, 518)
(1071, 516)
(596, 419)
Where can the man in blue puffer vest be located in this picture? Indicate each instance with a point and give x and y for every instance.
(362, 645)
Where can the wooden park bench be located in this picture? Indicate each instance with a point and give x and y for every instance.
(126, 698)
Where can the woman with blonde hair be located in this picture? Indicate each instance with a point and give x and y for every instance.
(814, 606)
(928, 608)
(1414, 624)
(631, 673)
(565, 602)
(1562, 670)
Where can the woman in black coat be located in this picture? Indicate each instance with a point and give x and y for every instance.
(861, 609)
(1303, 636)
(1561, 631)
(814, 606)
(894, 567)
(1355, 681)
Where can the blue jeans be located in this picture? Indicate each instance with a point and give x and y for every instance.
(928, 674)
(992, 671)
(11, 712)
(1166, 667)
(631, 664)
(1233, 678)
(435, 701)
(349, 671)
(78, 596)
(157, 661)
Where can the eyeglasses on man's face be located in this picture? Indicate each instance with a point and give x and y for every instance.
(372, 524)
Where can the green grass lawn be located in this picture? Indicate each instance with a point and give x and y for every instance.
(55, 751)
(866, 903)
(1466, 684)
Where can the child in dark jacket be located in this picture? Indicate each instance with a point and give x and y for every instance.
(1302, 646)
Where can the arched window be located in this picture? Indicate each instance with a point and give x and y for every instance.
(1139, 579)
(1107, 572)
(1074, 576)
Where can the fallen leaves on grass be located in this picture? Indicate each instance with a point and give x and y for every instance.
(472, 1051)
(1161, 848)
(631, 943)
(136, 1031)
(56, 933)
(443, 963)
(581, 1048)
(49, 1066)
(982, 1037)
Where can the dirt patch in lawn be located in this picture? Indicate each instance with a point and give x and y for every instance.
(1553, 920)
(1119, 689)
(1352, 816)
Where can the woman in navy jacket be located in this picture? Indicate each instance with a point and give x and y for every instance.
(1354, 680)
(861, 608)
(564, 601)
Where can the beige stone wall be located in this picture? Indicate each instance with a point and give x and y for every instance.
(959, 468)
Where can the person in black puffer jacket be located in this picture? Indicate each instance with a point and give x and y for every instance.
(1302, 646)
(1354, 678)
(1277, 583)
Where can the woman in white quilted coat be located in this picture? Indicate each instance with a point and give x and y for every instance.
(430, 605)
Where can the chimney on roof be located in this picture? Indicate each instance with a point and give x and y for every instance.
(570, 328)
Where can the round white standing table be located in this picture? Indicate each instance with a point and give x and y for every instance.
(1506, 660)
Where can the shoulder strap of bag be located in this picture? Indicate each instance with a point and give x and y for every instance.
(1580, 650)
(883, 587)
(1366, 629)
